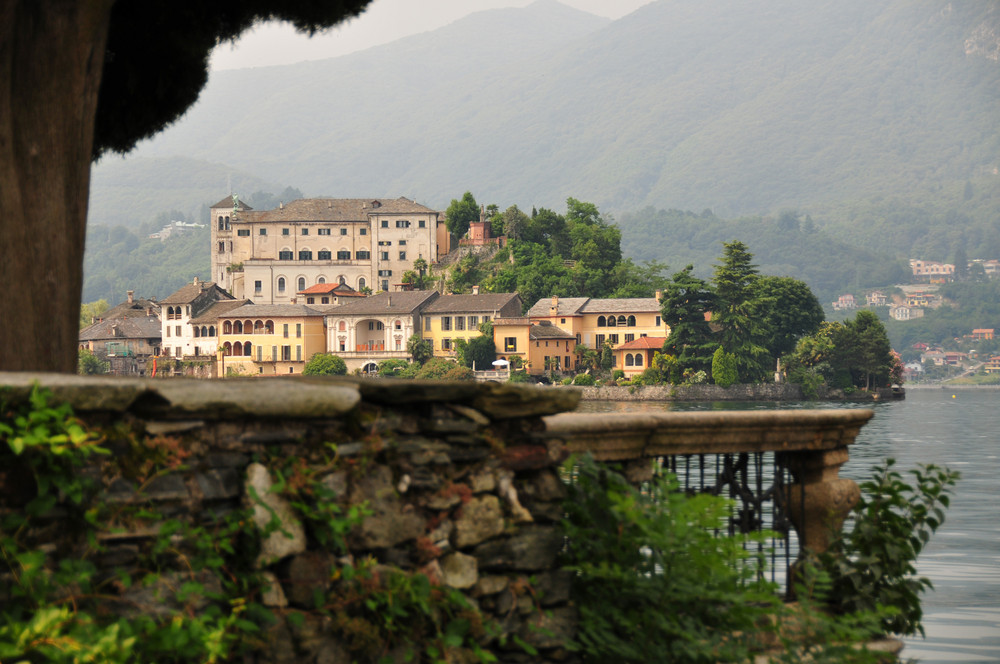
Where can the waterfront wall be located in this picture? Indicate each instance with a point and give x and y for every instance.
(705, 392)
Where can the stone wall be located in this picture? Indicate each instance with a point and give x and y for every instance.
(759, 392)
(459, 481)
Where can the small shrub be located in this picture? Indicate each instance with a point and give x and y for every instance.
(325, 364)
(583, 379)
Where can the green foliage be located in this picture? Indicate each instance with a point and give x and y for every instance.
(89, 311)
(519, 377)
(685, 302)
(476, 353)
(419, 349)
(325, 364)
(724, 372)
(789, 311)
(873, 564)
(436, 368)
(583, 379)
(461, 213)
(635, 552)
(739, 311)
(394, 368)
(90, 364)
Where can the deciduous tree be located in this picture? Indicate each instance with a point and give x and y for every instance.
(461, 213)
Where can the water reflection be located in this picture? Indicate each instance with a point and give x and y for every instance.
(962, 613)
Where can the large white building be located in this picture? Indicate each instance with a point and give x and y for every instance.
(270, 255)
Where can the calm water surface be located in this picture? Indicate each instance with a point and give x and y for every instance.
(962, 613)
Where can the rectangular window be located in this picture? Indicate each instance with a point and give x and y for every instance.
(460, 323)
(385, 284)
(385, 273)
(446, 323)
(305, 231)
(402, 243)
(323, 255)
(222, 247)
(343, 345)
(402, 223)
(298, 353)
(473, 322)
(427, 324)
(323, 231)
(260, 353)
(305, 255)
(243, 232)
(258, 286)
(510, 344)
(486, 319)
(343, 231)
(363, 231)
(657, 321)
(274, 353)
(168, 332)
(446, 344)
(178, 352)
(285, 255)
(177, 330)
(286, 353)
(629, 337)
(343, 255)
(263, 231)
(284, 330)
(402, 255)
(285, 231)
(384, 255)
(298, 330)
(385, 223)
(363, 255)
(422, 224)
(613, 338)
(599, 341)
(562, 321)
(385, 243)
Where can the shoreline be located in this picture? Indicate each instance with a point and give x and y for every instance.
(752, 392)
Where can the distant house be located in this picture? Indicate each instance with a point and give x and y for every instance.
(922, 299)
(954, 358)
(452, 317)
(935, 356)
(181, 336)
(932, 271)
(269, 339)
(905, 312)
(993, 365)
(323, 293)
(982, 333)
(125, 336)
(541, 346)
(635, 356)
(877, 299)
(844, 302)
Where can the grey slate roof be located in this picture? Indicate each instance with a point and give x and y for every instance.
(484, 302)
(137, 309)
(621, 305)
(339, 210)
(147, 327)
(568, 306)
(228, 202)
(403, 302)
(548, 332)
(188, 293)
(212, 314)
(272, 311)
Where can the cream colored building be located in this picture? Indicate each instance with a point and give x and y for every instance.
(270, 255)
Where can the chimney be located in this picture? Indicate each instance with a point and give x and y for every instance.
(475, 289)
(131, 296)
(294, 299)
(554, 309)
(281, 205)
(195, 282)
(388, 302)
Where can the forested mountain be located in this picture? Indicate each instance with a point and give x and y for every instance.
(877, 120)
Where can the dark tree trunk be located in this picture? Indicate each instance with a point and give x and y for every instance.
(51, 58)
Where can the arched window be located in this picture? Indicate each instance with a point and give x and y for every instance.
(398, 325)
(628, 360)
(247, 347)
(631, 321)
(341, 326)
(602, 321)
(227, 223)
(302, 283)
(238, 327)
(227, 328)
(211, 330)
(248, 327)
(258, 327)
(362, 283)
(281, 284)
(638, 359)
(227, 349)
(221, 227)
(321, 280)
(237, 348)
(622, 321)
(611, 321)
(269, 327)
(197, 331)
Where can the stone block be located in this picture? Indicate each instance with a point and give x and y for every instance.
(290, 537)
(481, 518)
(553, 587)
(306, 575)
(549, 629)
(533, 549)
(459, 570)
(167, 487)
(219, 484)
(391, 522)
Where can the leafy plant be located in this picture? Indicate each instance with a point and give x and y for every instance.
(873, 564)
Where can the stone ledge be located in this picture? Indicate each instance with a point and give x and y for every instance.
(611, 436)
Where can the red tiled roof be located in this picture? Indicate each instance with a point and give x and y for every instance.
(643, 343)
(343, 290)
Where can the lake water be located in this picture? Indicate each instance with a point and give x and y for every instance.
(962, 612)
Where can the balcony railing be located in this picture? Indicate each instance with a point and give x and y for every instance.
(780, 468)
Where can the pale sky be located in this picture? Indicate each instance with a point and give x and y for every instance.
(383, 22)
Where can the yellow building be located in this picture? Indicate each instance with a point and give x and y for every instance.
(269, 339)
(636, 356)
(595, 322)
(453, 317)
(540, 347)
